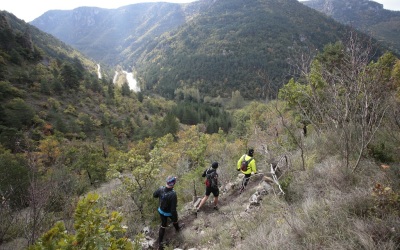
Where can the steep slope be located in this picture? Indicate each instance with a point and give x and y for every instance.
(47, 87)
(235, 45)
(35, 67)
(18, 36)
(367, 16)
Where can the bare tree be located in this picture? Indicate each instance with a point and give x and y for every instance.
(300, 60)
(346, 93)
(7, 216)
(37, 200)
(38, 196)
(298, 138)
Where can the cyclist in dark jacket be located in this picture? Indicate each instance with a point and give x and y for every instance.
(167, 207)
(211, 189)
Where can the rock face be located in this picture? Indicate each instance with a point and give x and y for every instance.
(334, 7)
(264, 188)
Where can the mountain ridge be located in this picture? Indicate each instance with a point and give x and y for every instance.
(127, 25)
(367, 16)
(217, 47)
(237, 46)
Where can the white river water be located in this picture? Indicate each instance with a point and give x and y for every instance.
(131, 80)
(129, 77)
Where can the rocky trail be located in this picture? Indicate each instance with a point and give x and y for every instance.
(197, 223)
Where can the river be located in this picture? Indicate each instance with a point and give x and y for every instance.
(129, 77)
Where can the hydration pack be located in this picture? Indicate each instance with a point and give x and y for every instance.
(211, 178)
(245, 164)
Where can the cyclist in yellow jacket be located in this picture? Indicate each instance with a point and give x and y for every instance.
(247, 165)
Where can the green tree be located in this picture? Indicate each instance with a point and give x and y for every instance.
(168, 125)
(45, 87)
(110, 90)
(56, 86)
(144, 167)
(95, 228)
(78, 68)
(7, 91)
(14, 179)
(126, 91)
(237, 100)
(87, 158)
(69, 76)
(140, 96)
(17, 113)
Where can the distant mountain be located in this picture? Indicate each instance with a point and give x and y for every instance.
(215, 46)
(367, 16)
(237, 45)
(113, 36)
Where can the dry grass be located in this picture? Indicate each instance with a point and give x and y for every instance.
(376, 234)
(329, 209)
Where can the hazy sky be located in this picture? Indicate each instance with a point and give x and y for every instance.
(30, 9)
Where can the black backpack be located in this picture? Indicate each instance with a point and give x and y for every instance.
(212, 178)
(245, 164)
(164, 198)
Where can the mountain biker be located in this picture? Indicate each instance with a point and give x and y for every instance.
(211, 188)
(251, 167)
(167, 207)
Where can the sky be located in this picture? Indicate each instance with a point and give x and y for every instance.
(28, 10)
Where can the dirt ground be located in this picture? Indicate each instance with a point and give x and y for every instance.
(187, 218)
